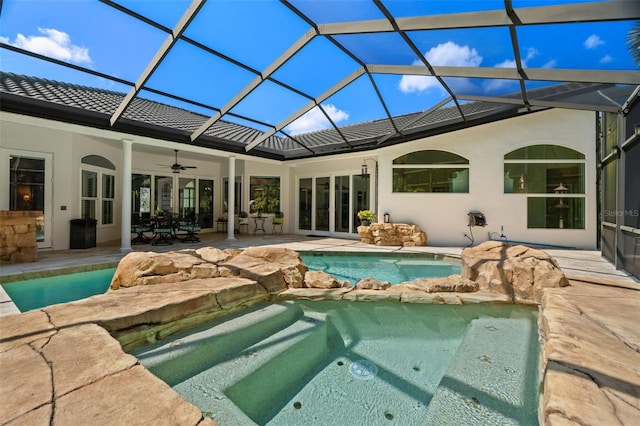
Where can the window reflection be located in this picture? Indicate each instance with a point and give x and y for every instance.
(264, 193)
(305, 197)
(448, 172)
(548, 169)
(205, 211)
(164, 194)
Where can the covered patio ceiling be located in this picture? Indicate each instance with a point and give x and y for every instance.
(294, 79)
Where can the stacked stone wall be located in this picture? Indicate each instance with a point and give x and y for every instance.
(18, 236)
(392, 234)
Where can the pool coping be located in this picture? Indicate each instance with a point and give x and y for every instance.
(559, 401)
(46, 273)
(121, 314)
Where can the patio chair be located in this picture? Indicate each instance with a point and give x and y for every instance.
(278, 220)
(139, 226)
(243, 222)
(163, 230)
(191, 226)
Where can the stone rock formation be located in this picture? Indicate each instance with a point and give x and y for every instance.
(18, 236)
(372, 284)
(320, 279)
(515, 273)
(519, 271)
(147, 268)
(392, 234)
(452, 283)
(273, 268)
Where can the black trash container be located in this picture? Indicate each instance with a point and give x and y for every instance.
(83, 233)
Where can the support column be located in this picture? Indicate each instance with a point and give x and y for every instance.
(231, 199)
(125, 221)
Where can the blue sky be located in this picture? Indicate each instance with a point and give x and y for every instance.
(93, 35)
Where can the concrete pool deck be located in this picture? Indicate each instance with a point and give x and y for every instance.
(591, 353)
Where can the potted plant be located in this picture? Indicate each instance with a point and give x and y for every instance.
(366, 217)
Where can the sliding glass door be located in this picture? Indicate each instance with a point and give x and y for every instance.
(305, 204)
(322, 203)
(194, 195)
(341, 196)
(330, 204)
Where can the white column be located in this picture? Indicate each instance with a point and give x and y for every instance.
(125, 193)
(231, 199)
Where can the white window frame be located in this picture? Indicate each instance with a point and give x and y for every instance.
(99, 194)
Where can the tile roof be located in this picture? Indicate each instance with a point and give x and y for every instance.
(93, 107)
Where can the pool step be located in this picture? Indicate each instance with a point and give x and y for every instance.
(239, 369)
(251, 387)
(284, 364)
(492, 378)
(187, 353)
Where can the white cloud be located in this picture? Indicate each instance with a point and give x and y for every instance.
(606, 59)
(417, 83)
(446, 54)
(502, 85)
(593, 41)
(452, 54)
(54, 44)
(507, 63)
(551, 64)
(532, 52)
(499, 85)
(314, 120)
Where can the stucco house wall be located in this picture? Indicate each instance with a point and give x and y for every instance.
(443, 216)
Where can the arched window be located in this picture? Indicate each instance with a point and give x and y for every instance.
(431, 171)
(540, 170)
(98, 189)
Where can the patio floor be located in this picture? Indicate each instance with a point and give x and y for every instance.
(592, 349)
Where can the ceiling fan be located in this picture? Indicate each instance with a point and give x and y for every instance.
(176, 167)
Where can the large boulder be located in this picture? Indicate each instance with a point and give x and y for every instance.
(372, 284)
(275, 268)
(147, 268)
(320, 279)
(519, 271)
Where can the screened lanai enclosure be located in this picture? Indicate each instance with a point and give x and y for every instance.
(264, 74)
(293, 81)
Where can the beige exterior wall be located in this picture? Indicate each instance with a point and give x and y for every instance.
(68, 144)
(443, 216)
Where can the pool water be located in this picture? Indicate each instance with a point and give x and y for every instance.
(40, 292)
(338, 362)
(384, 267)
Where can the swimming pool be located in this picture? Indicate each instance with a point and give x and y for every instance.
(395, 268)
(40, 292)
(338, 362)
